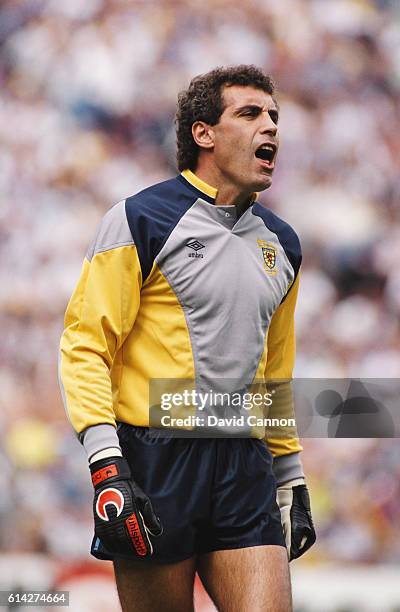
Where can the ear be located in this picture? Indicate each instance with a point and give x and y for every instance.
(203, 134)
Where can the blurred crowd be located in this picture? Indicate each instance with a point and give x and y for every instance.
(86, 119)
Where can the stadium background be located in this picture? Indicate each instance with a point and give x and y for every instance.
(86, 118)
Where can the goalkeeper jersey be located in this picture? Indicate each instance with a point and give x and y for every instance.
(176, 287)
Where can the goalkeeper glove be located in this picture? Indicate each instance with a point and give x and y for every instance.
(294, 503)
(123, 515)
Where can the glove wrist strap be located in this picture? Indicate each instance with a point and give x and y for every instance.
(109, 469)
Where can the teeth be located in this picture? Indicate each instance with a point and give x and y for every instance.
(266, 153)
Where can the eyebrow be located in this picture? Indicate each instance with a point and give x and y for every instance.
(255, 107)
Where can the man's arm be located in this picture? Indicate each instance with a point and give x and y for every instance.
(292, 493)
(99, 316)
(281, 350)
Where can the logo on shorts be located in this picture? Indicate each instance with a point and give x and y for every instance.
(109, 497)
(196, 246)
(269, 256)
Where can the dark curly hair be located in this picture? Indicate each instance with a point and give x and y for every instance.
(203, 101)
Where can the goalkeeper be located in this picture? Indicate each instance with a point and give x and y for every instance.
(192, 279)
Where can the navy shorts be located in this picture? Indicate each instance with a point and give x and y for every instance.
(210, 494)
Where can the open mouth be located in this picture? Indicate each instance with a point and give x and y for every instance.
(266, 152)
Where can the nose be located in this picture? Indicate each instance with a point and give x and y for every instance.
(268, 126)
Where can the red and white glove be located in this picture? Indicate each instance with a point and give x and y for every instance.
(123, 515)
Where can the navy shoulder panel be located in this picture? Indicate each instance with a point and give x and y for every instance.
(286, 235)
(152, 214)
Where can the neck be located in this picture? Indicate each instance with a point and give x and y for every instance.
(228, 194)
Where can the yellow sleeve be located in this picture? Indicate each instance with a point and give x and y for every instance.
(281, 349)
(99, 316)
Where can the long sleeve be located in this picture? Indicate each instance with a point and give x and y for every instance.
(278, 374)
(99, 316)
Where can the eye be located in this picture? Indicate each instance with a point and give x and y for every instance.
(274, 116)
(251, 112)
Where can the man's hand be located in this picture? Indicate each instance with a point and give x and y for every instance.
(294, 503)
(123, 514)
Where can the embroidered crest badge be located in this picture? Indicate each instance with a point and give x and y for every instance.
(269, 256)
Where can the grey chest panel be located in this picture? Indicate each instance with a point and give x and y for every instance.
(229, 276)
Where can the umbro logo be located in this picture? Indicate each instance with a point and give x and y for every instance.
(196, 246)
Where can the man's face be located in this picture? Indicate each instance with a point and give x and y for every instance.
(246, 138)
